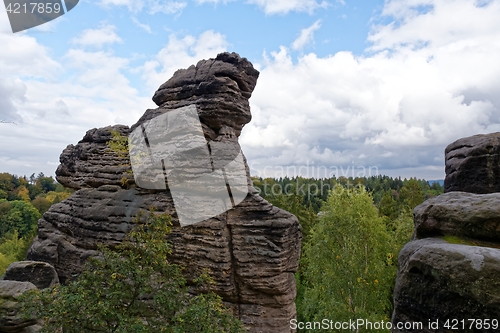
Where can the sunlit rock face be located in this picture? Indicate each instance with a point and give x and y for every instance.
(250, 247)
(450, 271)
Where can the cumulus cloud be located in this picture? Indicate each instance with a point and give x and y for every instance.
(106, 34)
(306, 36)
(428, 79)
(55, 101)
(271, 7)
(181, 52)
(150, 6)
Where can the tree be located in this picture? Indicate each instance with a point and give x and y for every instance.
(411, 194)
(132, 289)
(348, 270)
(46, 183)
(13, 248)
(387, 205)
(41, 204)
(18, 215)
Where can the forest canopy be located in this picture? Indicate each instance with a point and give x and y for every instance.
(23, 200)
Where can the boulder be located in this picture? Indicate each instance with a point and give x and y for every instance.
(473, 164)
(440, 281)
(41, 274)
(450, 271)
(251, 249)
(461, 214)
(11, 320)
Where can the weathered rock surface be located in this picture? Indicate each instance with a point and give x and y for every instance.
(91, 163)
(41, 274)
(459, 214)
(219, 87)
(11, 320)
(440, 281)
(251, 250)
(473, 164)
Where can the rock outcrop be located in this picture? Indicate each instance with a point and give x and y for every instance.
(91, 163)
(41, 274)
(450, 271)
(473, 164)
(251, 250)
(11, 318)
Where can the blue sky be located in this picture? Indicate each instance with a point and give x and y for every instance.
(346, 87)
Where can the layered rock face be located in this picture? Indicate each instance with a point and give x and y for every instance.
(473, 164)
(251, 250)
(19, 278)
(451, 268)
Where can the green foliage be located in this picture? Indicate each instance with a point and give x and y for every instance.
(132, 289)
(18, 215)
(411, 194)
(315, 191)
(347, 268)
(13, 248)
(403, 227)
(119, 144)
(41, 204)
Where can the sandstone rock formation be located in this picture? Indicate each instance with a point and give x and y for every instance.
(473, 164)
(251, 250)
(11, 319)
(451, 268)
(41, 274)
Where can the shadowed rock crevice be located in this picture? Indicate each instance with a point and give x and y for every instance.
(251, 251)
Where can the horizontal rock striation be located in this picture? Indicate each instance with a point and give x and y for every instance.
(220, 88)
(91, 163)
(451, 268)
(459, 214)
(251, 250)
(473, 164)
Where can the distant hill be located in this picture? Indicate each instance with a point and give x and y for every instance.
(440, 181)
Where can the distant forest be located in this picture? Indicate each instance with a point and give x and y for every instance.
(23, 200)
(386, 191)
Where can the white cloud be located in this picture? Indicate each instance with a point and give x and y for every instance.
(106, 34)
(271, 7)
(430, 79)
(181, 53)
(143, 26)
(10, 91)
(306, 36)
(22, 56)
(52, 112)
(150, 6)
